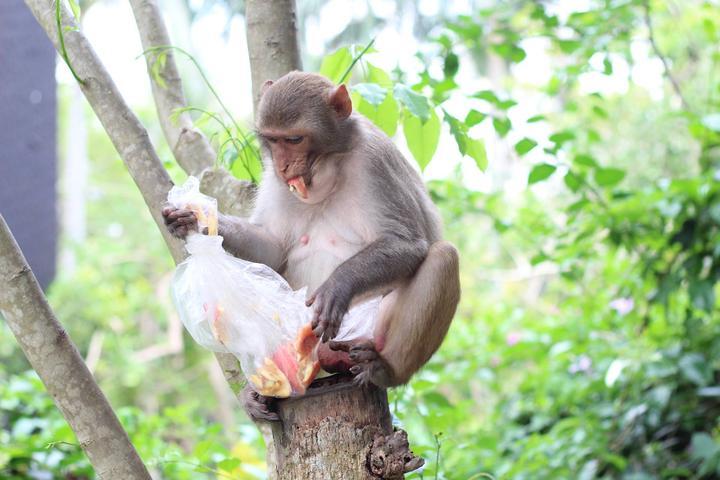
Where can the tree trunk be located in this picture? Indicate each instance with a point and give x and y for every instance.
(272, 41)
(58, 363)
(338, 431)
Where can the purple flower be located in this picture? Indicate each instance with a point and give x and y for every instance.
(623, 306)
(581, 364)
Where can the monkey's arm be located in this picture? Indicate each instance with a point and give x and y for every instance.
(250, 242)
(384, 261)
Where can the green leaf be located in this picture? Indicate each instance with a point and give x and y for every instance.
(474, 117)
(524, 146)
(703, 447)
(607, 66)
(540, 172)
(372, 93)
(607, 177)
(569, 46)
(502, 126)
(229, 464)
(336, 64)
(415, 103)
(487, 95)
(711, 122)
(422, 138)
(562, 137)
(385, 115)
(696, 369)
(476, 150)
(585, 160)
(572, 181)
(536, 118)
(378, 75)
(451, 65)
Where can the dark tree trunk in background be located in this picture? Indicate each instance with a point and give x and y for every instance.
(27, 136)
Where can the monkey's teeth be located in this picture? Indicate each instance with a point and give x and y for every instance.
(292, 188)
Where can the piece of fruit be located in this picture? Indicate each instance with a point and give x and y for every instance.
(306, 340)
(269, 381)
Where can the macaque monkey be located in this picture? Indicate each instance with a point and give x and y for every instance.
(339, 210)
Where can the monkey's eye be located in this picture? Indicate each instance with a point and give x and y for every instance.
(271, 139)
(294, 140)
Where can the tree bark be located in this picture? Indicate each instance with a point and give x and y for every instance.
(128, 136)
(272, 41)
(191, 148)
(58, 363)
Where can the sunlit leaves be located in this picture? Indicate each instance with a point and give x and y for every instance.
(416, 103)
(524, 146)
(422, 138)
(372, 93)
(336, 64)
(607, 177)
(467, 145)
(474, 117)
(385, 115)
(541, 172)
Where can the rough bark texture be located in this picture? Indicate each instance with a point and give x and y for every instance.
(128, 136)
(191, 148)
(60, 367)
(272, 40)
(328, 432)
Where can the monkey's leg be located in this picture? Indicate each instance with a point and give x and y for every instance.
(412, 323)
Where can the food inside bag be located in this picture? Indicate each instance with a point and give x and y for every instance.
(247, 309)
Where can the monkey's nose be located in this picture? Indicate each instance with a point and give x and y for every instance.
(285, 167)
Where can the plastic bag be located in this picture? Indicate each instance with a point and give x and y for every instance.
(247, 309)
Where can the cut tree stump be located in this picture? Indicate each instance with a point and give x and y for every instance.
(337, 431)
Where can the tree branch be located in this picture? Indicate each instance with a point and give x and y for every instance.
(191, 148)
(668, 73)
(128, 136)
(60, 367)
(272, 41)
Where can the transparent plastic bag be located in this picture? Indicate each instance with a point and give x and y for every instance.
(247, 309)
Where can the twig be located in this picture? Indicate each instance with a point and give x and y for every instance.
(663, 59)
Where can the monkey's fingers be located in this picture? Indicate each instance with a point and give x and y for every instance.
(310, 300)
(340, 346)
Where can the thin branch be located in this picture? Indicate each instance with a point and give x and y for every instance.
(653, 43)
(129, 137)
(133, 144)
(191, 148)
(57, 361)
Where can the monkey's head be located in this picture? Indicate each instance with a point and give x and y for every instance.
(302, 118)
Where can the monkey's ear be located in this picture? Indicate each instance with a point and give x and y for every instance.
(340, 102)
(265, 86)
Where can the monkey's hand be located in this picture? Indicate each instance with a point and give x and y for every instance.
(180, 221)
(369, 366)
(259, 407)
(331, 301)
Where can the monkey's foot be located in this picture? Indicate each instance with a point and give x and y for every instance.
(259, 407)
(390, 456)
(368, 365)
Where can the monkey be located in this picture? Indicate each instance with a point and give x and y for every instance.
(340, 211)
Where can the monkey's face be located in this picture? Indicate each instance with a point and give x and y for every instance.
(302, 120)
(291, 157)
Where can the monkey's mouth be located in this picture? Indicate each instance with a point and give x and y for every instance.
(298, 186)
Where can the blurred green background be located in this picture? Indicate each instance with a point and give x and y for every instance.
(573, 148)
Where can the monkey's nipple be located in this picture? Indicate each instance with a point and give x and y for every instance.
(297, 185)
